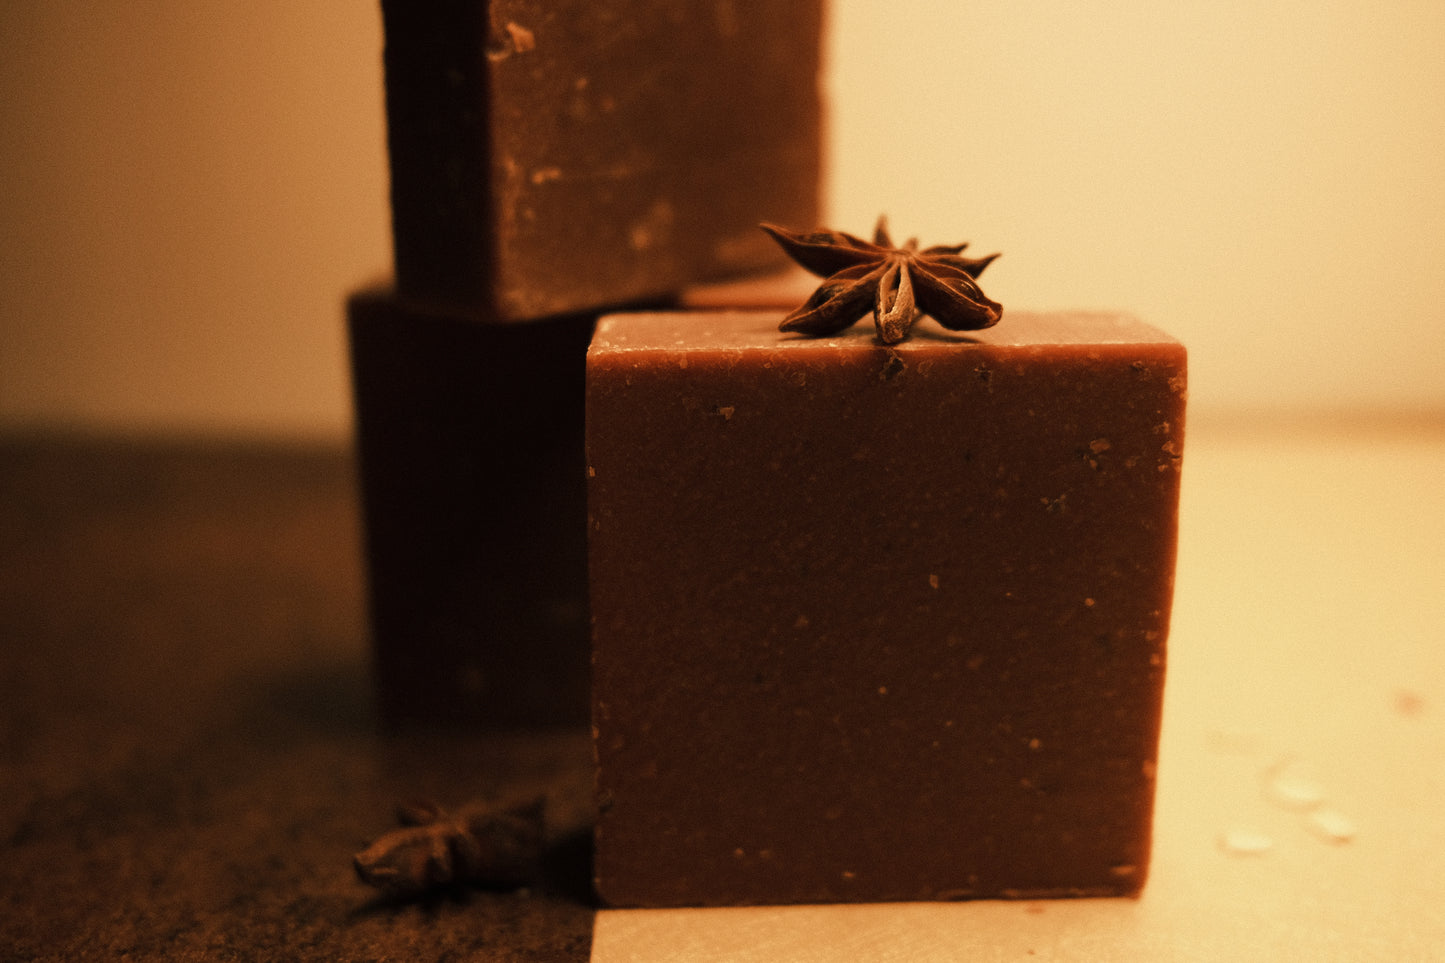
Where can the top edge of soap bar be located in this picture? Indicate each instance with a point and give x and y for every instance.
(671, 331)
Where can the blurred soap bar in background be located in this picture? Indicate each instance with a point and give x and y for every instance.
(469, 437)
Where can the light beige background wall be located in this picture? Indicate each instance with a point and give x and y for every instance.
(188, 189)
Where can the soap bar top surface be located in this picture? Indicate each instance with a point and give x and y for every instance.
(571, 155)
(878, 622)
(743, 329)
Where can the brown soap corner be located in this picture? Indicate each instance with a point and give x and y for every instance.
(547, 160)
(878, 623)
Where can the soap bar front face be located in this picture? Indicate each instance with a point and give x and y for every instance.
(550, 157)
(878, 623)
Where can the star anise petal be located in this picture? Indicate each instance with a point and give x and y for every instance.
(972, 266)
(825, 252)
(953, 299)
(838, 303)
(880, 232)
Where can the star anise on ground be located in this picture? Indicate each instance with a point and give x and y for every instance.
(899, 283)
(495, 844)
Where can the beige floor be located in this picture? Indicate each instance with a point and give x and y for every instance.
(1309, 642)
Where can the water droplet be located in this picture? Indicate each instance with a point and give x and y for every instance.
(1409, 703)
(1293, 787)
(1245, 842)
(1332, 825)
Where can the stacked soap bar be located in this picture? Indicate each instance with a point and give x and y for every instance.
(551, 157)
(470, 443)
(548, 160)
(878, 623)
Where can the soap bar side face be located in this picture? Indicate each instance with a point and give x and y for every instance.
(567, 156)
(877, 624)
(469, 439)
(438, 139)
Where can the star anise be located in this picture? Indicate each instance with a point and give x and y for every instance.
(900, 282)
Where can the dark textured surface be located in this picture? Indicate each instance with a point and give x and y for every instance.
(188, 753)
(901, 610)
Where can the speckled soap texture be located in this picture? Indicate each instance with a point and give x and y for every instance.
(552, 156)
(878, 623)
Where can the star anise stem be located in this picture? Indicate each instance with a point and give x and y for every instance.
(899, 283)
(895, 310)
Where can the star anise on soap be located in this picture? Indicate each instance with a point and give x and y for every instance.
(898, 283)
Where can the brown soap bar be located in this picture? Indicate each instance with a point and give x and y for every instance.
(878, 623)
(782, 290)
(470, 443)
(549, 157)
